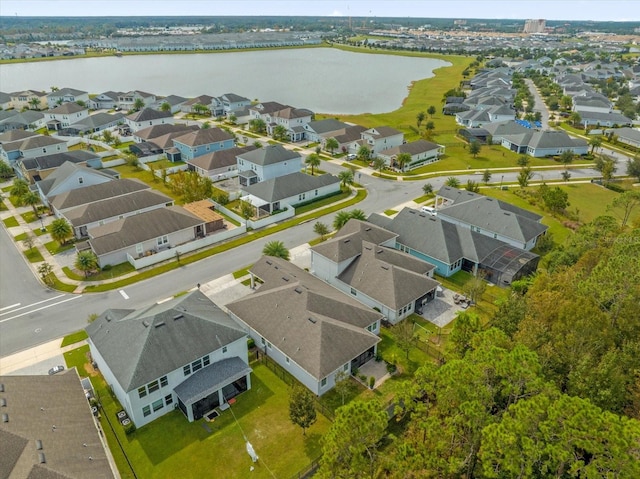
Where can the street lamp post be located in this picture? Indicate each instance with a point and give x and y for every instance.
(501, 179)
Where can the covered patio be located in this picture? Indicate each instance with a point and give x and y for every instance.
(212, 386)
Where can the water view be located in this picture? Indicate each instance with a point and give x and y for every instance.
(322, 79)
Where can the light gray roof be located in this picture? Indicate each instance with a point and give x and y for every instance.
(30, 142)
(391, 277)
(502, 128)
(67, 109)
(413, 148)
(349, 134)
(286, 186)
(65, 171)
(34, 405)
(204, 136)
(66, 91)
(172, 100)
(325, 126)
(627, 132)
(24, 118)
(220, 158)
(383, 131)
(148, 114)
(89, 194)
(142, 345)
(97, 120)
(135, 229)
(207, 380)
(269, 155)
(553, 139)
(53, 161)
(614, 117)
(233, 98)
(156, 131)
(15, 135)
(112, 207)
(318, 327)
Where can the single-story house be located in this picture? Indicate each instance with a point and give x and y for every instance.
(83, 196)
(185, 353)
(148, 117)
(422, 153)
(105, 101)
(50, 430)
(93, 123)
(544, 143)
(144, 234)
(594, 118)
(307, 326)
(628, 136)
(21, 120)
(175, 103)
(156, 131)
(219, 164)
(289, 190)
(38, 168)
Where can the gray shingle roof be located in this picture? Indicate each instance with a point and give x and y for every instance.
(112, 207)
(286, 186)
(204, 136)
(326, 125)
(97, 120)
(383, 131)
(318, 327)
(57, 159)
(67, 109)
(220, 158)
(204, 382)
(142, 345)
(390, 277)
(65, 171)
(148, 114)
(156, 131)
(413, 148)
(135, 229)
(15, 135)
(39, 141)
(89, 194)
(269, 155)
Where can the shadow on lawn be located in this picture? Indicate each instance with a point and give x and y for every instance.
(171, 433)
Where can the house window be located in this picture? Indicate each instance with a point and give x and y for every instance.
(168, 399)
(345, 368)
(139, 248)
(224, 349)
(163, 382)
(262, 340)
(146, 411)
(187, 369)
(142, 392)
(153, 386)
(205, 360)
(163, 240)
(196, 365)
(80, 180)
(316, 192)
(286, 358)
(353, 292)
(269, 345)
(157, 405)
(323, 383)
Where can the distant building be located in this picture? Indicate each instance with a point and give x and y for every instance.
(534, 26)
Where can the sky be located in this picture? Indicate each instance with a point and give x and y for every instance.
(603, 10)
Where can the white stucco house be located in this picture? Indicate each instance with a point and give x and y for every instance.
(267, 162)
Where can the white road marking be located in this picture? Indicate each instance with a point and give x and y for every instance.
(40, 309)
(9, 307)
(32, 304)
(124, 295)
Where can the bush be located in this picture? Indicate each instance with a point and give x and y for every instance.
(363, 378)
(130, 428)
(378, 357)
(355, 371)
(614, 187)
(372, 382)
(223, 199)
(391, 368)
(251, 343)
(106, 267)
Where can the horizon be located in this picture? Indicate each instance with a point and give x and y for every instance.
(551, 10)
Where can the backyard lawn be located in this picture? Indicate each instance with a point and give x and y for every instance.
(145, 176)
(172, 447)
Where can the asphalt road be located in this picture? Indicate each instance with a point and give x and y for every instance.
(31, 314)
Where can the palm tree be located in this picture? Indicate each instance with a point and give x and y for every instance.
(453, 182)
(19, 188)
(138, 104)
(277, 249)
(341, 219)
(420, 118)
(165, 107)
(595, 142)
(31, 198)
(358, 214)
(280, 133)
(313, 160)
(402, 160)
(427, 188)
(364, 153)
(258, 125)
(60, 230)
(346, 177)
(566, 175)
(379, 164)
(35, 103)
(6, 171)
(86, 261)
(332, 145)
(575, 118)
(523, 160)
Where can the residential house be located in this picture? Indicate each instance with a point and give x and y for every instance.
(28, 99)
(107, 100)
(275, 114)
(628, 136)
(148, 117)
(608, 120)
(481, 116)
(349, 139)
(452, 248)
(143, 234)
(544, 143)
(185, 353)
(32, 146)
(361, 260)
(84, 217)
(152, 132)
(287, 191)
(494, 218)
(69, 176)
(39, 167)
(66, 95)
(175, 103)
(219, 164)
(267, 162)
(381, 138)
(583, 104)
(94, 123)
(319, 130)
(200, 142)
(232, 102)
(199, 101)
(62, 116)
(5, 101)
(307, 326)
(422, 153)
(21, 120)
(10, 144)
(49, 430)
(128, 100)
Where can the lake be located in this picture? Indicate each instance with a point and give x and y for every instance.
(323, 80)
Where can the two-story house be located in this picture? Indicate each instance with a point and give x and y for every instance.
(274, 114)
(62, 116)
(422, 153)
(148, 117)
(267, 162)
(107, 100)
(200, 142)
(184, 354)
(29, 99)
(128, 100)
(381, 138)
(66, 95)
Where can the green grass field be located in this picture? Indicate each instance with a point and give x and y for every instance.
(127, 171)
(11, 222)
(33, 255)
(74, 338)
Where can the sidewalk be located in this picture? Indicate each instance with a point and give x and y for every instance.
(27, 361)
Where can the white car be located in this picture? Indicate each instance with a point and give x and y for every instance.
(56, 370)
(351, 157)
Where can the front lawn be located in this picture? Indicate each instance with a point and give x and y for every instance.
(164, 447)
(11, 222)
(30, 216)
(33, 255)
(74, 338)
(54, 247)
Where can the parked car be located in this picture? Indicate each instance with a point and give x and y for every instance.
(351, 157)
(56, 370)
(429, 209)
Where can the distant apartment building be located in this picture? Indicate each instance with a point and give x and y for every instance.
(535, 26)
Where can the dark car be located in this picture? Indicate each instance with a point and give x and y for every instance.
(56, 370)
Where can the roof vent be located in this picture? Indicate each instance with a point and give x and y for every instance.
(108, 317)
(380, 251)
(178, 316)
(298, 290)
(157, 325)
(385, 267)
(1, 387)
(5, 417)
(368, 229)
(38, 444)
(3, 402)
(368, 248)
(41, 458)
(413, 212)
(285, 278)
(312, 320)
(145, 323)
(347, 241)
(432, 218)
(508, 214)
